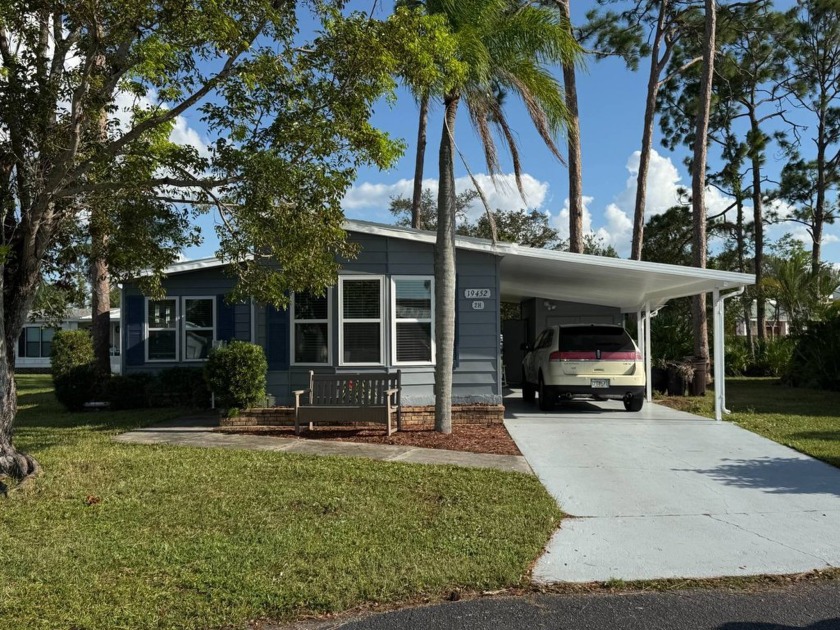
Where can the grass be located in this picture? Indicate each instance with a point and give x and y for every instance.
(124, 536)
(804, 419)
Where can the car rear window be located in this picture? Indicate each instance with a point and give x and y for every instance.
(592, 338)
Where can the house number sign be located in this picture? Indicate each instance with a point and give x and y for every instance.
(478, 305)
(472, 294)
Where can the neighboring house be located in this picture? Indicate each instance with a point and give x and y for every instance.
(776, 321)
(380, 314)
(35, 342)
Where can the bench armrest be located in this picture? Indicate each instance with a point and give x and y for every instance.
(298, 393)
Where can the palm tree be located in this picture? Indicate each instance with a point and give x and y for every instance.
(507, 47)
(805, 295)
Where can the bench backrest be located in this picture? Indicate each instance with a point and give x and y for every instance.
(352, 389)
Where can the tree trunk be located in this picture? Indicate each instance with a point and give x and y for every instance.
(13, 463)
(758, 222)
(741, 250)
(573, 129)
(445, 298)
(647, 138)
(698, 183)
(100, 304)
(416, 218)
(819, 208)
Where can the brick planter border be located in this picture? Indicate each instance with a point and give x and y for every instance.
(412, 415)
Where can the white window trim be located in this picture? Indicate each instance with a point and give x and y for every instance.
(342, 321)
(327, 321)
(147, 329)
(41, 328)
(394, 319)
(183, 324)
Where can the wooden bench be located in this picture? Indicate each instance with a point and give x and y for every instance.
(349, 398)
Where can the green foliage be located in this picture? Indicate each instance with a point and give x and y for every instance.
(770, 357)
(130, 391)
(235, 373)
(804, 294)
(670, 331)
(74, 376)
(172, 387)
(815, 362)
(400, 207)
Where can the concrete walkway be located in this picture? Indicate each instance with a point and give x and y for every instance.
(198, 431)
(665, 494)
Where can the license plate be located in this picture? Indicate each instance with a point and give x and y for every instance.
(599, 382)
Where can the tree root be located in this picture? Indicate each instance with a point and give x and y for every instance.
(18, 467)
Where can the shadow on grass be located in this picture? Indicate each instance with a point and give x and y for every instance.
(777, 475)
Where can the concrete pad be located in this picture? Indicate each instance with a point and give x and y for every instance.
(647, 548)
(198, 432)
(668, 494)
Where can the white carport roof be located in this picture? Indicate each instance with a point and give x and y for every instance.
(547, 274)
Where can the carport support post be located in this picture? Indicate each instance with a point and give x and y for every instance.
(648, 384)
(720, 386)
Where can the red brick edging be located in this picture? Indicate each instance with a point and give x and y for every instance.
(412, 415)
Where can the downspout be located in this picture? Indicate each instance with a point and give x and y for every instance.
(649, 315)
(720, 371)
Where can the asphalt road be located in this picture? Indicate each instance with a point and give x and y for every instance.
(813, 605)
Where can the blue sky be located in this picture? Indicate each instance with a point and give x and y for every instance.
(611, 102)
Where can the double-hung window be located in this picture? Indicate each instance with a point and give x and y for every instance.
(199, 327)
(413, 333)
(162, 330)
(310, 329)
(360, 320)
(36, 342)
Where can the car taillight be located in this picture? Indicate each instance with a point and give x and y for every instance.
(622, 356)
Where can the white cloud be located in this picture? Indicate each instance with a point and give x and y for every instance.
(181, 134)
(365, 199)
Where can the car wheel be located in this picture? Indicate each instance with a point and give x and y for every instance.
(527, 390)
(634, 403)
(546, 400)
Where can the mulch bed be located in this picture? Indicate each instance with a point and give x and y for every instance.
(493, 439)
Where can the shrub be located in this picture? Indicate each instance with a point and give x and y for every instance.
(130, 391)
(815, 360)
(737, 357)
(182, 387)
(75, 377)
(236, 374)
(771, 357)
(172, 387)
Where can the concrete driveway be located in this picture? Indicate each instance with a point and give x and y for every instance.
(666, 494)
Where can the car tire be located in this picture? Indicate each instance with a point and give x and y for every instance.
(634, 403)
(528, 392)
(546, 400)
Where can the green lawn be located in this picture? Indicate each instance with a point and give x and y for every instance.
(196, 538)
(805, 419)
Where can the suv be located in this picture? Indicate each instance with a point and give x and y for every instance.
(584, 360)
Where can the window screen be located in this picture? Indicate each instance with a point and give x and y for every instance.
(361, 320)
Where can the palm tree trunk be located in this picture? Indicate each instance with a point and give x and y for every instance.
(445, 298)
(647, 137)
(698, 185)
(573, 130)
(416, 218)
